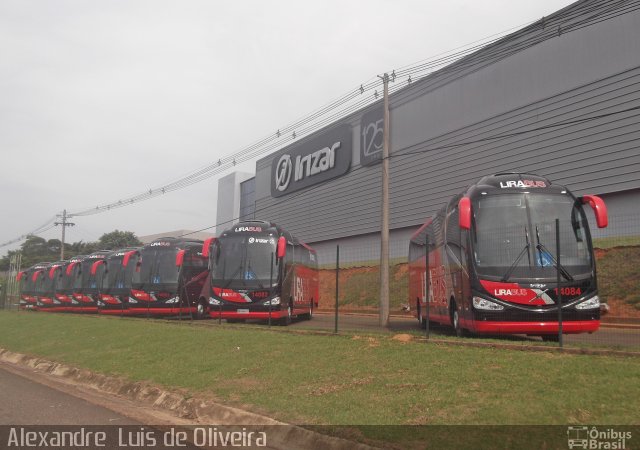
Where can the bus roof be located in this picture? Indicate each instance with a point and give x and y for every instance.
(514, 182)
(172, 242)
(264, 226)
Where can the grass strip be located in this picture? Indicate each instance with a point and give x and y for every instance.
(340, 380)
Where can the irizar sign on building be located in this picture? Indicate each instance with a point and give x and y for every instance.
(319, 159)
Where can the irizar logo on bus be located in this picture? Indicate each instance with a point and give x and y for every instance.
(253, 240)
(523, 184)
(160, 244)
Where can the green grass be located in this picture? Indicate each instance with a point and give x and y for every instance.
(616, 241)
(618, 265)
(619, 275)
(360, 287)
(339, 380)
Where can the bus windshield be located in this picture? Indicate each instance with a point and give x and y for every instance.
(28, 286)
(158, 266)
(47, 283)
(90, 281)
(118, 277)
(243, 261)
(515, 236)
(68, 281)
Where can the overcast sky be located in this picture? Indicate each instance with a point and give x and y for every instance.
(101, 100)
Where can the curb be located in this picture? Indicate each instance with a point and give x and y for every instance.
(198, 410)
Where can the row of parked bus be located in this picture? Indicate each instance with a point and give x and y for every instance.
(254, 270)
(493, 261)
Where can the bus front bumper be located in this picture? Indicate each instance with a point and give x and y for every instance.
(535, 328)
(260, 315)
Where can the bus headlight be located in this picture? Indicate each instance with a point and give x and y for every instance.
(592, 303)
(486, 305)
(275, 301)
(214, 301)
(132, 300)
(173, 300)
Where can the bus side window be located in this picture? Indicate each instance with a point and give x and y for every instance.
(290, 257)
(413, 251)
(453, 233)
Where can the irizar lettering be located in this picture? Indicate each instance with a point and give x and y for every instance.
(316, 162)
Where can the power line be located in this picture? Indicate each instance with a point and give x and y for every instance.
(451, 65)
(560, 124)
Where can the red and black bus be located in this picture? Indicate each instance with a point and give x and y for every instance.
(48, 287)
(69, 273)
(119, 267)
(258, 270)
(28, 279)
(168, 277)
(87, 281)
(493, 264)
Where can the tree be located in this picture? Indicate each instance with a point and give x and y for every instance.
(118, 239)
(36, 249)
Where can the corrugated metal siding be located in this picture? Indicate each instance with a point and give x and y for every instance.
(589, 72)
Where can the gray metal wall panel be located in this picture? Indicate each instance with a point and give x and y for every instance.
(364, 249)
(589, 72)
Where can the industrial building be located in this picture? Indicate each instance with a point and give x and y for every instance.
(559, 98)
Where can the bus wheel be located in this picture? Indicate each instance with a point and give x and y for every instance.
(422, 322)
(201, 310)
(309, 315)
(286, 320)
(455, 320)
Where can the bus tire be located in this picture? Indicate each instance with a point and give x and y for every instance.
(455, 320)
(422, 322)
(309, 315)
(286, 320)
(202, 310)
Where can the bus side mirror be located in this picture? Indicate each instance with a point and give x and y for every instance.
(95, 265)
(52, 272)
(180, 258)
(127, 257)
(464, 213)
(599, 208)
(19, 276)
(281, 251)
(70, 268)
(35, 275)
(206, 247)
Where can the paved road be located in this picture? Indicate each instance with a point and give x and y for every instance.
(25, 402)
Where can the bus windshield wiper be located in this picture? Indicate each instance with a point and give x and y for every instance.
(232, 278)
(506, 276)
(541, 248)
(250, 270)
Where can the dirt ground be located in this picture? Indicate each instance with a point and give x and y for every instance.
(618, 282)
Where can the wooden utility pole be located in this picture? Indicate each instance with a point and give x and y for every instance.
(384, 227)
(64, 224)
